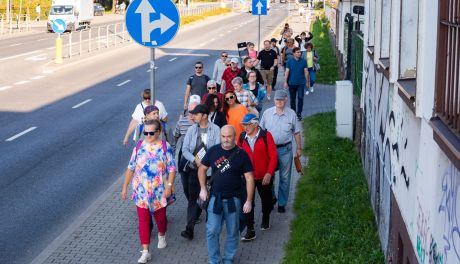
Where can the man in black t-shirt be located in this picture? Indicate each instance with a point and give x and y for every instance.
(228, 163)
(268, 60)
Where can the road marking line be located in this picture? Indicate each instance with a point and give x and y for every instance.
(82, 103)
(229, 31)
(50, 48)
(38, 77)
(17, 44)
(20, 55)
(213, 39)
(42, 39)
(21, 134)
(38, 57)
(21, 82)
(123, 83)
(221, 35)
(173, 59)
(5, 88)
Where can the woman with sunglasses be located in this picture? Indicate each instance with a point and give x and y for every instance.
(152, 165)
(216, 115)
(234, 112)
(257, 89)
(212, 89)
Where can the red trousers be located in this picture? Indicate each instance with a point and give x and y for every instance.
(145, 223)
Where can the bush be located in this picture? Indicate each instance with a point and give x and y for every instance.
(318, 5)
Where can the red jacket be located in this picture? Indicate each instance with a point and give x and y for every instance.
(264, 158)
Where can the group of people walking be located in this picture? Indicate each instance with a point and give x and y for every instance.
(227, 146)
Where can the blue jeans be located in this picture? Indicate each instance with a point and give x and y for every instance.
(214, 228)
(296, 91)
(285, 167)
(312, 75)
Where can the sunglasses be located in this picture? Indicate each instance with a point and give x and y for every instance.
(146, 98)
(150, 133)
(229, 98)
(198, 67)
(211, 88)
(225, 56)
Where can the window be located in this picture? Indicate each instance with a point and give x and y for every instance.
(448, 64)
(385, 29)
(408, 35)
(446, 120)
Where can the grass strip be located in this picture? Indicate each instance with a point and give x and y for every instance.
(189, 19)
(329, 72)
(333, 222)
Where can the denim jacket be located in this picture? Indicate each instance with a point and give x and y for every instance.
(260, 94)
(190, 138)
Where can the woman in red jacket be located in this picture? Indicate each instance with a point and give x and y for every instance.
(261, 148)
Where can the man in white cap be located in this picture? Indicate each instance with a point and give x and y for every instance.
(228, 76)
(282, 123)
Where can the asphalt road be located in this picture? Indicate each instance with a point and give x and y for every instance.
(73, 121)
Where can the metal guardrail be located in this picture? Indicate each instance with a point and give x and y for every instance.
(199, 9)
(94, 39)
(16, 23)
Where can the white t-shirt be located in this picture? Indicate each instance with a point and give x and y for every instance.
(138, 113)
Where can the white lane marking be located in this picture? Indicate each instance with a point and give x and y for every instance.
(5, 88)
(17, 44)
(203, 44)
(50, 48)
(21, 134)
(20, 55)
(38, 77)
(82, 103)
(42, 39)
(221, 35)
(21, 82)
(123, 83)
(229, 31)
(213, 39)
(173, 59)
(38, 57)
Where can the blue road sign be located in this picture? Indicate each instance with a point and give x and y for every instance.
(152, 23)
(58, 26)
(259, 7)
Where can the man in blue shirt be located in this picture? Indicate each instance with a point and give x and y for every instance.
(296, 77)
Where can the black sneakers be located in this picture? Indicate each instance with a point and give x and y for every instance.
(281, 209)
(187, 234)
(249, 236)
(265, 223)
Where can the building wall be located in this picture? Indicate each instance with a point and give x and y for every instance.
(408, 175)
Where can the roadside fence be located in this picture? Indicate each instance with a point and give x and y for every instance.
(94, 39)
(16, 23)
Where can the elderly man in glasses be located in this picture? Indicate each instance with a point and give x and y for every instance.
(219, 67)
(212, 89)
(196, 83)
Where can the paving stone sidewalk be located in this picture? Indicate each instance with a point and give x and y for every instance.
(107, 231)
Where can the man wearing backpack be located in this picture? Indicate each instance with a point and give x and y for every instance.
(196, 84)
(261, 149)
(199, 138)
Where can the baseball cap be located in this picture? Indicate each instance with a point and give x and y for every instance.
(280, 95)
(248, 118)
(273, 40)
(195, 99)
(149, 109)
(234, 60)
(200, 109)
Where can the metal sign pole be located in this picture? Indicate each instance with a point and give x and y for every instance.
(258, 47)
(152, 76)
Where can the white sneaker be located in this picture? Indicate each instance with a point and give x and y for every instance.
(312, 90)
(144, 257)
(268, 97)
(307, 93)
(162, 241)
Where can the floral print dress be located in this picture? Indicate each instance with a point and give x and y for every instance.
(151, 166)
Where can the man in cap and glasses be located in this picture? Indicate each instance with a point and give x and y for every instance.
(282, 123)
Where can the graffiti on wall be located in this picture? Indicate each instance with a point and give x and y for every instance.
(423, 233)
(449, 212)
